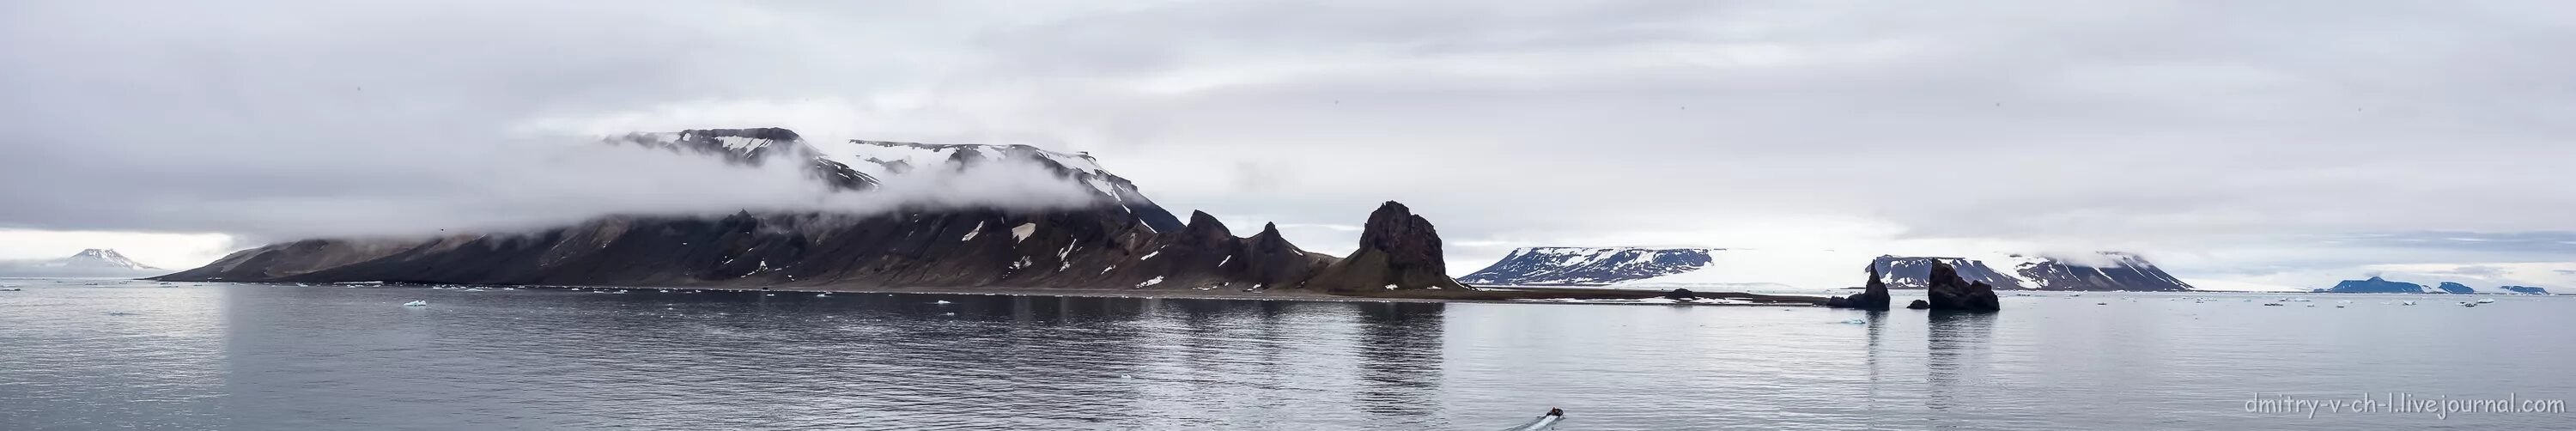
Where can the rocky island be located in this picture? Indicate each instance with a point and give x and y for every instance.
(1951, 293)
(1873, 296)
(1122, 244)
(2376, 284)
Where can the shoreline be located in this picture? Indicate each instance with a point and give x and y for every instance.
(1490, 295)
(1783, 300)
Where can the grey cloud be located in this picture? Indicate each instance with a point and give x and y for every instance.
(2479, 271)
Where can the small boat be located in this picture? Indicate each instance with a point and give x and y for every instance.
(2468, 304)
(1543, 422)
(2271, 304)
(822, 295)
(416, 303)
(2407, 303)
(2486, 300)
(10, 289)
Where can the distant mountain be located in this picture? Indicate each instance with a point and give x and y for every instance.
(2380, 285)
(1580, 266)
(2123, 272)
(1799, 269)
(96, 262)
(859, 165)
(1122, 241)
(2374, 285)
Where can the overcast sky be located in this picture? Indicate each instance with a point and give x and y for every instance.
(2279, 142)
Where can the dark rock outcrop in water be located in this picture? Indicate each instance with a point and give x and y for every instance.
(1950, 292)
(1918, 305)
(1123, 242)
(2526, 289)
(1872, 297)
(1398, 251)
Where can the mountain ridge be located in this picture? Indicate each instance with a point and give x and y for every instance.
(1123, 242)
(95, 262)
(1808, 269)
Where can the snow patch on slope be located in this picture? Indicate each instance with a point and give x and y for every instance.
(1022, 232)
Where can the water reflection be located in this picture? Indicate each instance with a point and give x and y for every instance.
(1873, 362)
(1399, 349)
(287, 357)
(1957, 356)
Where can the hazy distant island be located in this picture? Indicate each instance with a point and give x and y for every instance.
(91, 263)
(2382, 285)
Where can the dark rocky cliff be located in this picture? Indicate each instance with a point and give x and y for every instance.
(1398, 251)
(1950, 292)
(1873, 295)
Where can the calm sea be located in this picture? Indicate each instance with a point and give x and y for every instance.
(139, 355)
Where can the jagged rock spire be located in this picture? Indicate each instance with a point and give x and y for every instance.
(1397, 251)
